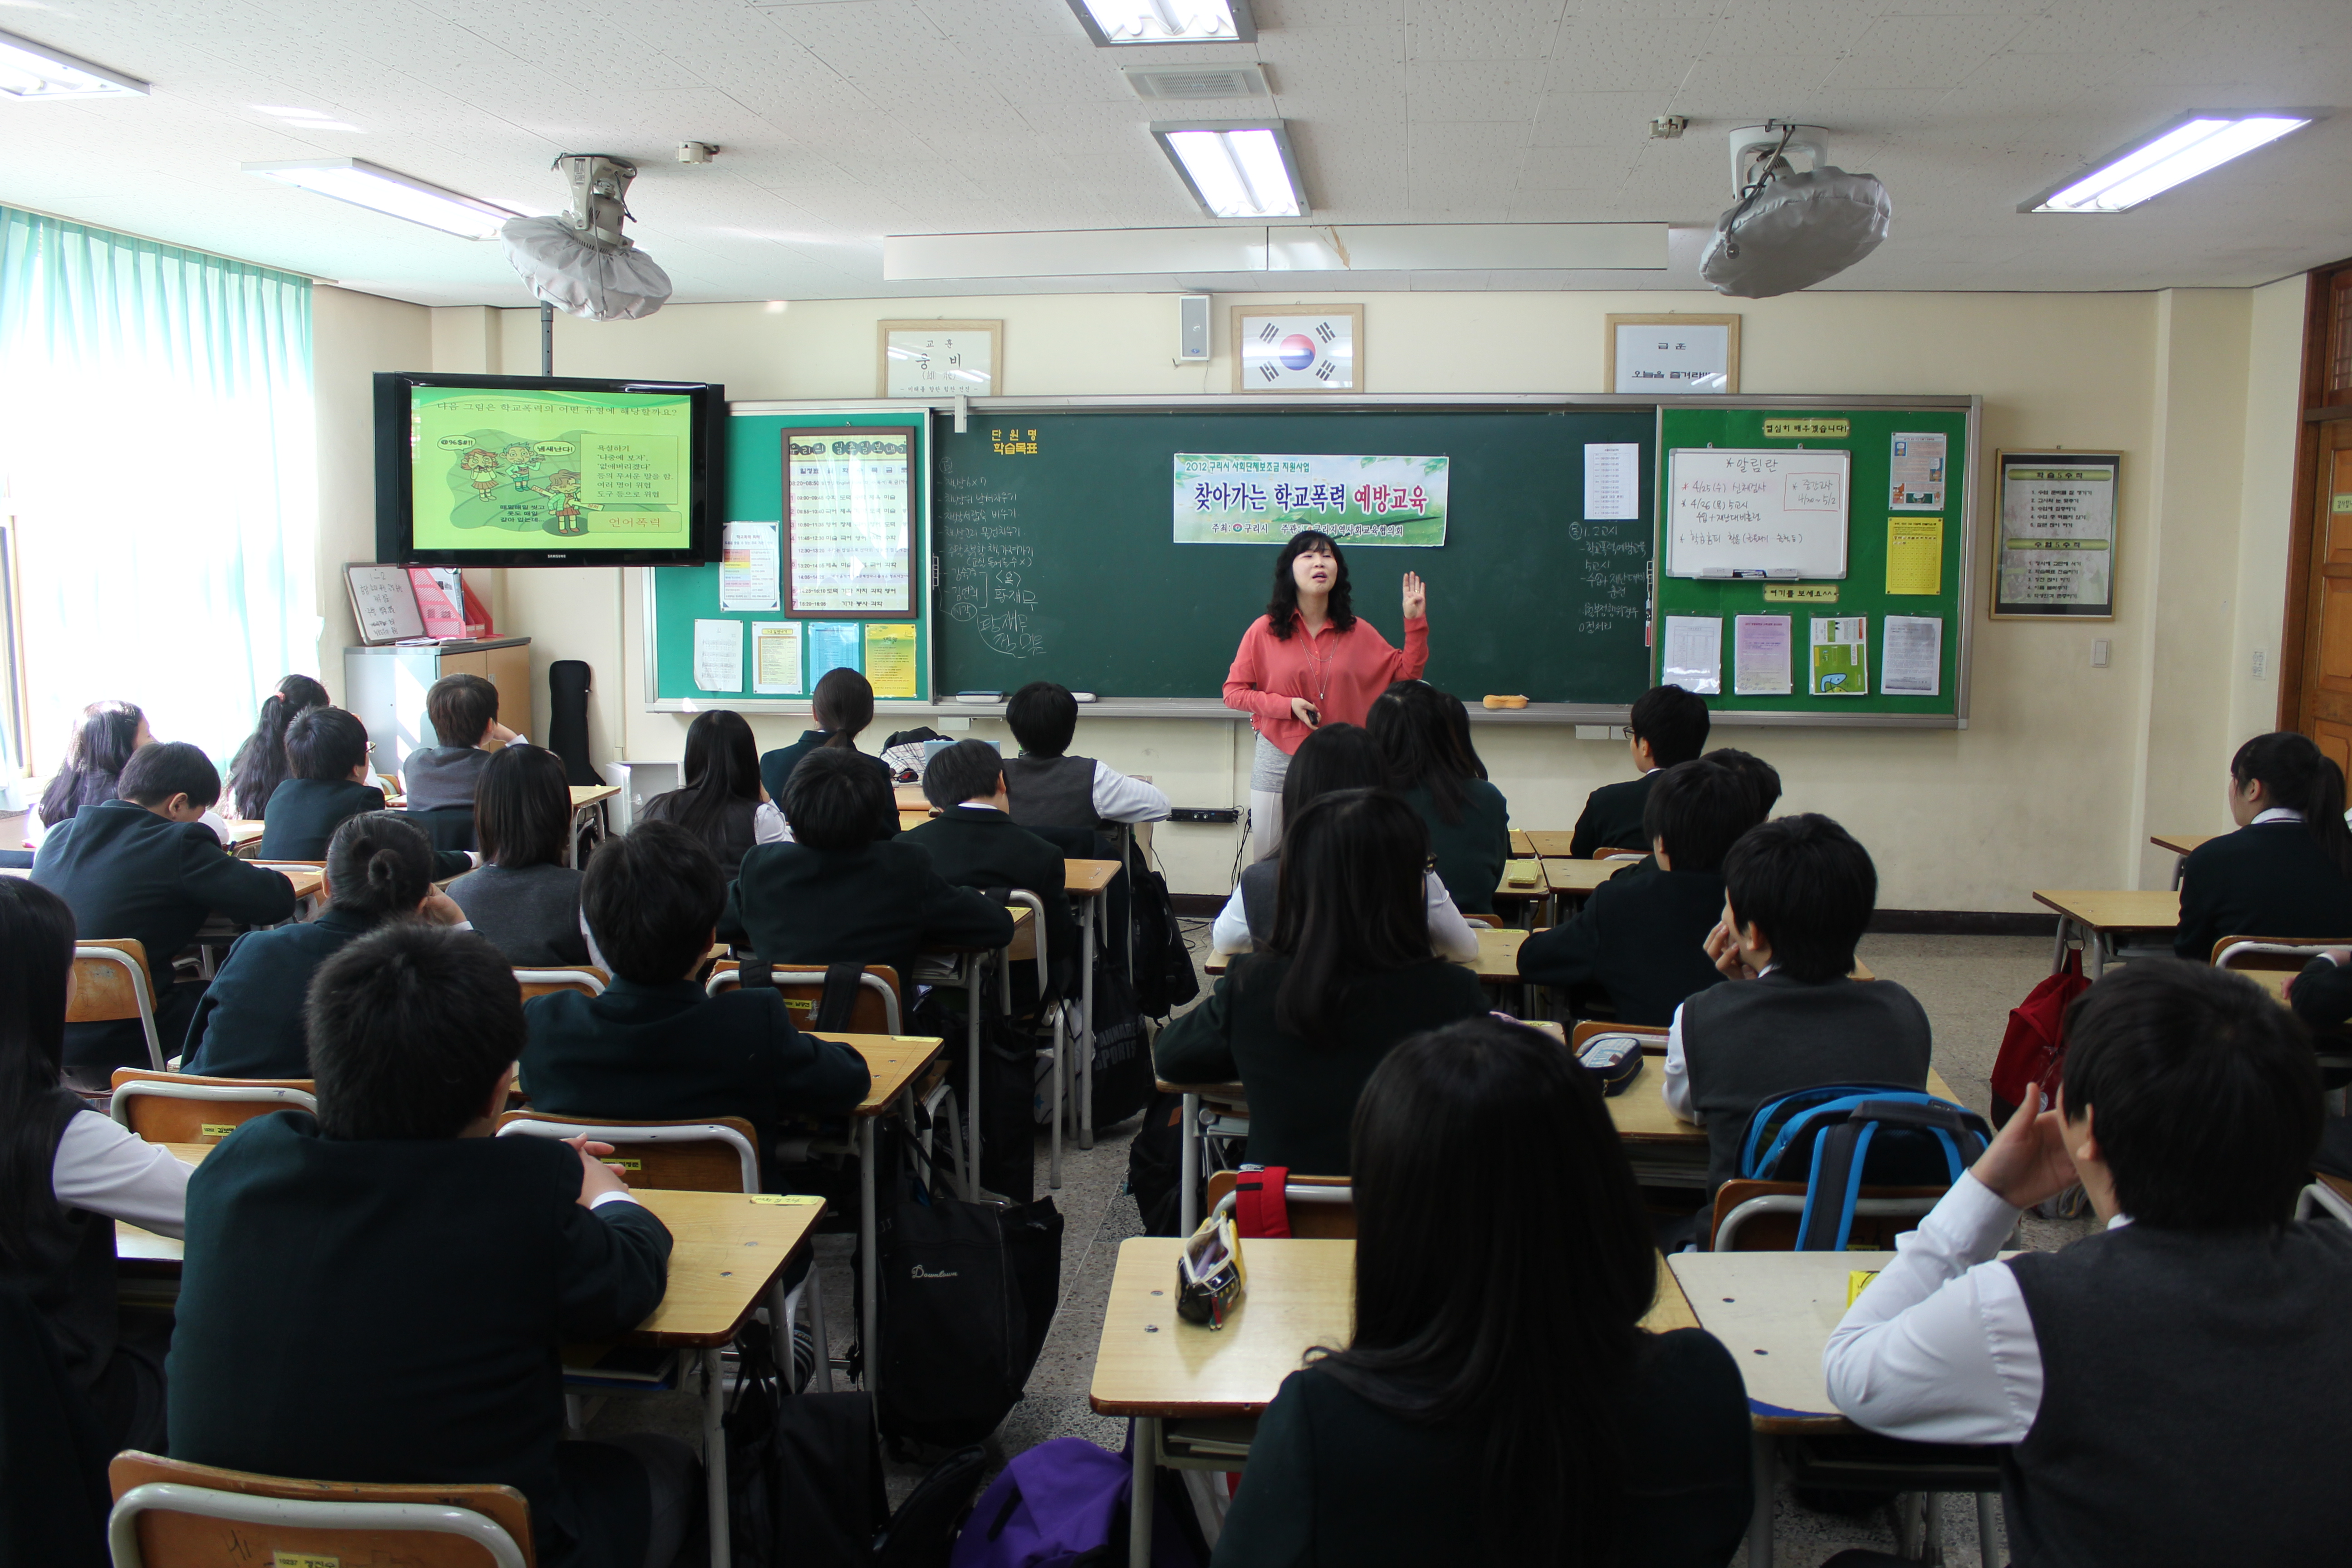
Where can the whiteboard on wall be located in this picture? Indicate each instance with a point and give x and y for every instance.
(1771, 513)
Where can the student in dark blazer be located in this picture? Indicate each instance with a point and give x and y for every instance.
(975, 843)
(2287, 871)
(1348, 974)
(1500, 1401)
(1431, 765)
(328, 751)
(464, 713)
(1643, 940)
(1667, 725)
(842, 705)
(145, 867)
(422, 1276)
(2322, 997)
(838, 895)
(654, 1046)
(250, 1023)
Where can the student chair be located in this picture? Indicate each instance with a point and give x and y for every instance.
(169, 1513)
(1761, 1216)
(1029, 943)
(184, 1108)
(585, 978)
(448, 827)
(110, 985)
(2270, 961)
(1618, 852)
(2327, 1197)
(877, 1012)
(1321, 1207)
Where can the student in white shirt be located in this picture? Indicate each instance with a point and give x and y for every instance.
(2173, 1389)
(1053, 790)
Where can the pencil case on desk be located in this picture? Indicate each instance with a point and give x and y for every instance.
(1522, 874)
(1210, 1278)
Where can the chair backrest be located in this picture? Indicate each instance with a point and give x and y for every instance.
(2322, 1197)
(110, 985)
(1618, 852)
(182, 1108)
(584, 978)
(877, 1012)
(711, 1155)
(171, 1514)
(1321, 1207)
(1763, 1217)
(2272, 952)
(1650, 1034)
(450, 826)
(1491, 922)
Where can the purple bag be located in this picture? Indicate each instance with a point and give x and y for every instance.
(1063, 1504)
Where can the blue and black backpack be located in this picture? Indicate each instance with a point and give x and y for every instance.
(1839, 1138)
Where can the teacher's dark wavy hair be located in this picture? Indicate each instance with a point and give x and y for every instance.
(1280, 609)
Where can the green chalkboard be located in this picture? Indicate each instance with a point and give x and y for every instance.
(1056, 536)
(1869, 434)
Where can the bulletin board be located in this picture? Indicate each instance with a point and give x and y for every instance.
(1909, 547)
(689, 609)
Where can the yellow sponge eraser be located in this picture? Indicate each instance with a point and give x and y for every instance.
(1506, 701)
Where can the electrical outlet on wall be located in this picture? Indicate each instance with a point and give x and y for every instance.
(2099, 647)
(2261, 662)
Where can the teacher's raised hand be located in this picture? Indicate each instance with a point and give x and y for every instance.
(1416, 596)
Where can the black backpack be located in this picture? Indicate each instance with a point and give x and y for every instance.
(1164, 977)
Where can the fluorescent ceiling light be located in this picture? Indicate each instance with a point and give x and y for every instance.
(1237, 169)
(2181, 152)
(363, 185)
(1111, 22)
(28, 70)
(306, 119)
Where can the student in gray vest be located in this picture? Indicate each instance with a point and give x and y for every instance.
(2171, 1388)
(1051, 789)
(1797, 893)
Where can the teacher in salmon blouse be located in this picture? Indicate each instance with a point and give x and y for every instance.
(1309, 661)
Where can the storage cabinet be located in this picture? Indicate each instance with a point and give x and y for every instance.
(385, 687)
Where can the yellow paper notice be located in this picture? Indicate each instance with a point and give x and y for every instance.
(1914, 555)
(891, 658)
(1857, 1281)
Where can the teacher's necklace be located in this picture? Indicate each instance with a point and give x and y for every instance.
(1322, 665)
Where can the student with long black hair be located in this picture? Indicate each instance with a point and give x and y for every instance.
(522, 897)
(723, 803)
(842, 705)
(1348, 973)
(1500, 1401)
(1424, 739)
(2287, 871)
(260, 765)
(1335, 757)
(109, 732)
(67, 1175)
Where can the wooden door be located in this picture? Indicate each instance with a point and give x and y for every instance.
(2327, 702)
(2316, 653)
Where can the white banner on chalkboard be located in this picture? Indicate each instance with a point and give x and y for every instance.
(1774, 512)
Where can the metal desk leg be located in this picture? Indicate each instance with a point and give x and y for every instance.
(972, 970)
(1760, 1522)
(870, 1228)
(1188, 1199)
(1085, 1074)
(1054, 1176)
(714, 1453)
(1139, 1498)
(2058, 953)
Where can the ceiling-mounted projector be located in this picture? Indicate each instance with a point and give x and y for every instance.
(1790, 228)
(580, 261)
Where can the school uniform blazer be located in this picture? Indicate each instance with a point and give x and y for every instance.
(249, 1023)
(776, 767)
(2269, 880)
(1640, 939)
(1470, 849)
(1612, 818)
(303, 814)
(981, 847)
(881, 902)
(662, 1053)
(386, 1310)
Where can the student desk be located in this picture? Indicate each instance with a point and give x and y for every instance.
(1152, 1366)
(966, 968)
(2182, 845)
(585, 799)
(2102, 917)
(1497, 962)
(243, 837)
(1525, 897)
(894, 1062)
(1551, 844)
(1522, 846)
(1084, 881)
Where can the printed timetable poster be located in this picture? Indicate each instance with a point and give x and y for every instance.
(602, 470)
(1258, 497)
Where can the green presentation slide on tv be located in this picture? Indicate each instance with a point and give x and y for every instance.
(603, 470)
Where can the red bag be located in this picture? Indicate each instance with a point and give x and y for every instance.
(1259, 1209)
(2033, 1052)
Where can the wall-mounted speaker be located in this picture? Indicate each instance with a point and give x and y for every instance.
(1192, 329)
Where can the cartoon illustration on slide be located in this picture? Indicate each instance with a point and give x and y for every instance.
(520, 461)
(481, 464)
(564, 489)
(547, 478)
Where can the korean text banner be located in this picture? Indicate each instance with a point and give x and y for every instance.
(1226, 498)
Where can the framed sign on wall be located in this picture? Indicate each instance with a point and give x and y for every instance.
(2053, 543)
(1674, 353)
(1298, 348)
(849, 523)
(940, 359)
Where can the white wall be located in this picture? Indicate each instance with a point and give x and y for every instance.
(2064, 769)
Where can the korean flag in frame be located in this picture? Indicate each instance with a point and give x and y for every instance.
(1298, 348)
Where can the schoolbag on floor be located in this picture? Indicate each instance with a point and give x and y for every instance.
(1164, 976)
(1122, 1066)
(1155, 1164)
(804, 1471)
(2033, 1051)
(1839, 1138)
(1064, 1504)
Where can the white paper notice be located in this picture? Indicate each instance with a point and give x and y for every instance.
(1916, 465)
(776, 656)
(1759, 656)
(1695, 653)
(1613, 481)
(719, 656)
(751, 568)
(1912, 664)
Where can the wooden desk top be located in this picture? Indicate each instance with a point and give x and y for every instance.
(1581, 876)
(910, 798)
(307, 877)
(1640, 1114)
(242, 832)
(913, 817)
(1774, 1312)
(1551, 844)
(1497, 961)
(2148, 910)
(1538, 889)
(2181, 843)
(1521, 845)
(1084, 878)
(1301, 1294)
(589, 794)
(894, 1061)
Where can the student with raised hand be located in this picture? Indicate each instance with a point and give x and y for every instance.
(1348, 973)
(1050, 788)
(1500, 1403)
(842, 705)
(656, 1047)
(67, 1175)
(2287, 871)
(836, 894)
(1335, 757)
(250, 1023)
(1667, 725)
(464, 713)
(381, 1291)
(1797, 893)
(2168, 1391)
(143, 867)
(976, 842)
(259, 765)
(722, 804)
(522, 897)
(1431, 765)
(1643, 940)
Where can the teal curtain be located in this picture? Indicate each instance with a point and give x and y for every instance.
(158, 447)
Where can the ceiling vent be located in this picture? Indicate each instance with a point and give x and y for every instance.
(1194, 82)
